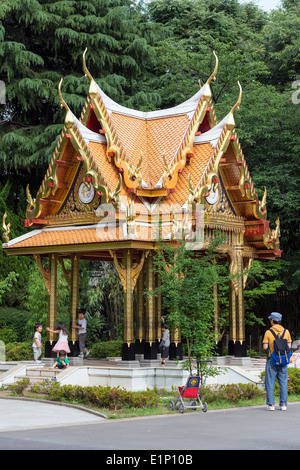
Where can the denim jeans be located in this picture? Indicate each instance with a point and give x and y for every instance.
(271, 372)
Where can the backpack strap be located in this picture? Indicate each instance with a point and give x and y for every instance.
(274, 334)
(283, 333)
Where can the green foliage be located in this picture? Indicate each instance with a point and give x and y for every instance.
(103, 299)
(293, 381)
(16, 320)
(19, 351)
(112, 398)
(7, 335)
(19, 387)
(105, 349)
(187, 294)
(231, 393)
(119, 41)
(36, 302)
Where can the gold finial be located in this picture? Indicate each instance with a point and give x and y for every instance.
(6, 230)
(61, 100)
(69, 121)
(230, 120)
(93, 87)
(207, 91)
(238, 103)
(214, 74)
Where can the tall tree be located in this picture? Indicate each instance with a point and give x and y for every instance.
(43, 40)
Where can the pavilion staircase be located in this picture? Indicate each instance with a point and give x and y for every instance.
(39, 374)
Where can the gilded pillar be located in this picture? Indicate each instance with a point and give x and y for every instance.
(129, 274)
(140, 315)
(237, 343)
(74, 287)
(151, 330)
(128, 300)
(158, 308)
(52, 304)
(240, 302)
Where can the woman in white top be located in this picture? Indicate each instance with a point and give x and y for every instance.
(295, 358)
(62, 343)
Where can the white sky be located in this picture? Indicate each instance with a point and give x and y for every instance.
(266, 5)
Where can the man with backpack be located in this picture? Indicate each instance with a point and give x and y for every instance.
(277, 341)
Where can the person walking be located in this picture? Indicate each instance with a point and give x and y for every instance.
(81, 326)
(273, 371)
(164, 345)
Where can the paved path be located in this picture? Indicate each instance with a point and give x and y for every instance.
(17, 414)
(30, 425)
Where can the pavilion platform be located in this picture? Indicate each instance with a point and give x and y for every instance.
(109, 372)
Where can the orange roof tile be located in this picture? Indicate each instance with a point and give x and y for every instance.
(154, 138)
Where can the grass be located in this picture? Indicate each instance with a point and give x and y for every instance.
(163, 406)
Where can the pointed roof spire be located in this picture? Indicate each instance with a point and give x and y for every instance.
(93, 91)
(206, 90)
(69, 121)
(230, 123)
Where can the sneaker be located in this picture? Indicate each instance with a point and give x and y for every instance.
(87, 353)
(283, 407)
(163, 363)
(80, 355)
(271, 407)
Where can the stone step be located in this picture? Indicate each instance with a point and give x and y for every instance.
(42, 372)
(38, 374)
(34, 379)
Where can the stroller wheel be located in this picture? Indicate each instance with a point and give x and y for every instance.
(171, 406)
(181, 408)
(204, 407)
(194, 404)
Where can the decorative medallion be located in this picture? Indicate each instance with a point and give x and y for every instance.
(213, 196)
(86, 193)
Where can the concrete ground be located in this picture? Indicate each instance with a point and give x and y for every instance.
(27, 425)
(20, 414)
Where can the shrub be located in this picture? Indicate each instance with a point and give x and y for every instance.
(106, 349)
(16, 320)
(232, 393)
(112, 398)
(293, 381)
(7, 335)
(18, 351)
(19, 387)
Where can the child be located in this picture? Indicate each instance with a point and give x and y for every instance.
(295, 358)
(37, 343)
(164, 344)
(81, 326)
(62, 342)
(62, 362)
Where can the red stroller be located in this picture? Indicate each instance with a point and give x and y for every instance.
(192, 390)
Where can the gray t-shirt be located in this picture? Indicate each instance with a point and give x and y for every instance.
(37, 336)
(82, 324)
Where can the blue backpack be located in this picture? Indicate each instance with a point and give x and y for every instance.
(281, 352)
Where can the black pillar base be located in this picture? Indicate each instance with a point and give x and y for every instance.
(48, 349)
(237, 349)
(128, 352)
(150, 351)
(176, 352)
(139, 346)
(74, 348)
(218, 349)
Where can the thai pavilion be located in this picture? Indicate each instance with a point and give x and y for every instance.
(111, 172)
